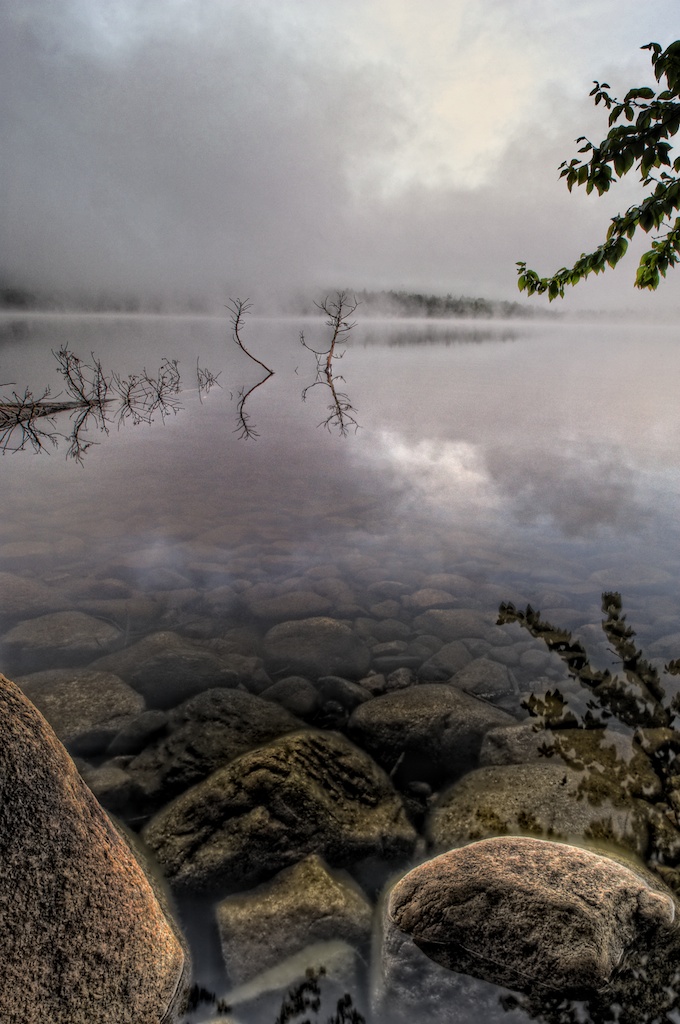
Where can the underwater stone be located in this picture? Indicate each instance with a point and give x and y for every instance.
(305, 903)
(546, 799)
(85, 708)
(487, 679)
(444, 664)
(167, 668)
(21, 598)
(265, 603)
(63, 638)
(308, 792)
(296, 694)
(205, 733)
(316, 647)
(527, 912)
(433, 729)
(83, 936)
(606, 753)
(454, 624)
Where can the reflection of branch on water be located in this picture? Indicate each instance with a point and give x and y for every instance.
(141, 395)
(238, 309)
(206, 380)
(27, 422)
(245, 429)
(635, 701)
(340, 410)
(630, 760)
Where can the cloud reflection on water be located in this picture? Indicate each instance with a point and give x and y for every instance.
(576, 492)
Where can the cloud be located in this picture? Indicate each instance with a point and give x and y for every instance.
(576, 493)
(200, 147)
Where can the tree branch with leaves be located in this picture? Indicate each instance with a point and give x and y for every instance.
(640, 127)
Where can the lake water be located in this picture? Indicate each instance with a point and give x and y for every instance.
(468, 463)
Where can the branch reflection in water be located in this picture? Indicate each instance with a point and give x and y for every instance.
(340, 410)
(635, 705)
(94, 400)
(238, 309)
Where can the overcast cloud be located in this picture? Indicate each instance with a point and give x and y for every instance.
(213, 147)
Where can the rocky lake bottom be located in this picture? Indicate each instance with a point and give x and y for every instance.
(297, 678)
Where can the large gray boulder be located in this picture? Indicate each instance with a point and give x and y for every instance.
(433, 731)
(83, 936)
(316, 647)
(308, 792)
(406, 985)
(205, 732)
(306, 903)
(524, 912)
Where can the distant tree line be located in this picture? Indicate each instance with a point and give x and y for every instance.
(416, 304)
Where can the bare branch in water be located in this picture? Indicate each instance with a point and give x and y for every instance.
(238, 309)
(28, 422)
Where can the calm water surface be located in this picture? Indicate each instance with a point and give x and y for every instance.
(492, 461)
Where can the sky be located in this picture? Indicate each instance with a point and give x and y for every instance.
(180, 149)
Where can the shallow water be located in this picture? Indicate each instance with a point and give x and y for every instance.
(491, 461)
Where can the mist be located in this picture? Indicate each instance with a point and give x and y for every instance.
(183, 152)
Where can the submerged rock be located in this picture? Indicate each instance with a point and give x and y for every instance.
(21, 598)
(302, 904)
(525, 912)
(308, 792)
(444, 663)
(454, 624)
(83, 936)
(487, 679)
(545, 799)
(86, 709)
(264, 602)
(205, 733)
(295, 693)
(167, 668)
(316, 647)
(408, 986)
(611, 758)
(324, 971)
(432, 731)
(62, 638)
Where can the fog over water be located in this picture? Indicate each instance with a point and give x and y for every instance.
(183, 151)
